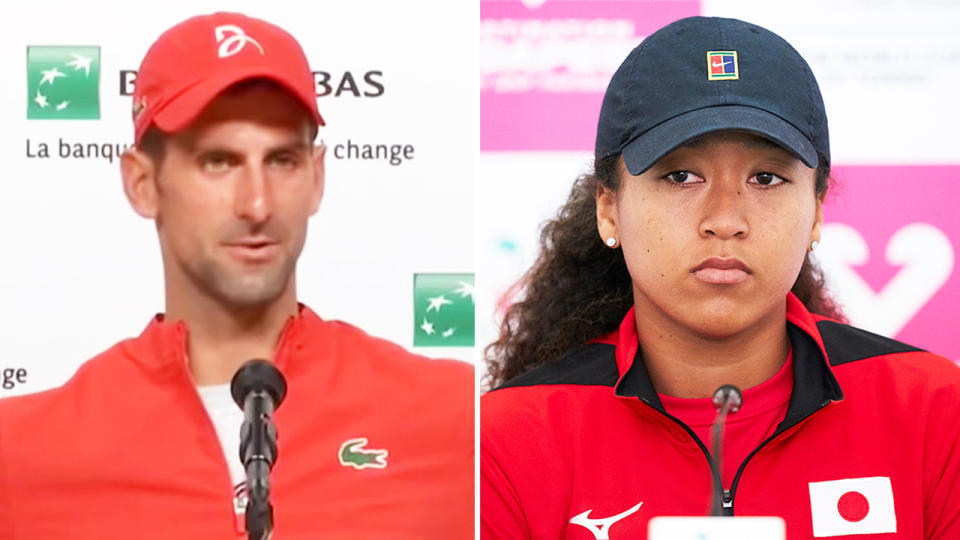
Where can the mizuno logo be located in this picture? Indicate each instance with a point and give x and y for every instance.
(353, 454)
(601, 527)
(235, 42)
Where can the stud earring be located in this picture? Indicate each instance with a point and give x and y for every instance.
(611, 242)
(813, 245)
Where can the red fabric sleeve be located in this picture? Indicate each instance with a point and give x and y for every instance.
(6, 513)
(941, 514)
(501, 516)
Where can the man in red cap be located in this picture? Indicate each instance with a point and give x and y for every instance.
(142, 442)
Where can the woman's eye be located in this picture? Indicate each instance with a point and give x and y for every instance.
(767, 179)
(682, 177)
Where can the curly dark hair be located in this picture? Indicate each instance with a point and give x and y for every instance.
(579, 289)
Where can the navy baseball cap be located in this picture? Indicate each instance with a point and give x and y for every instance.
(704, 74)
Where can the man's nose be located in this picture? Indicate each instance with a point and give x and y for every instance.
(253, 198)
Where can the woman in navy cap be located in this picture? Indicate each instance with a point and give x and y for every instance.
(679, 266)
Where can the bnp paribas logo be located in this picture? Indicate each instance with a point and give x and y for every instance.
(63, 83)
(443, 310)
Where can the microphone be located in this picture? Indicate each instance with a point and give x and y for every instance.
(727, 399)
(258, 388)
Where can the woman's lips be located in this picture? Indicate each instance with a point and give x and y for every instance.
(721, 271)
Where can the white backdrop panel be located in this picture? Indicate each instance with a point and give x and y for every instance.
(80, 270)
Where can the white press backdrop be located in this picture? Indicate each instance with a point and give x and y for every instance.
(79, 270)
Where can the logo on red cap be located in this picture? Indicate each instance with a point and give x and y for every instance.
(197, 59)
(234, 42)
(138, 106)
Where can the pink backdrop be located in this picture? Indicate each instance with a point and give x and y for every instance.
(891, 230)
(547, 95)
(908, 228)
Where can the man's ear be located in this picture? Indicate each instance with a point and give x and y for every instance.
(319, 152)
(607, 215)
(139, 182)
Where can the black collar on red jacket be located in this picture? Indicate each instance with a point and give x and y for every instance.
(814, 385)
(818, 344)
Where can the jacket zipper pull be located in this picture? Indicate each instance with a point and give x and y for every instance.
(727, 499)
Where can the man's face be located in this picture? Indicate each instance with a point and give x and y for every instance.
(233, 194)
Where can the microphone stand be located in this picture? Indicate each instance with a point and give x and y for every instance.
(258, 388)
(727, 399)
(259, 439)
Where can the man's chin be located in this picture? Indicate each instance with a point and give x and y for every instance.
(244, 288)
(249, 293)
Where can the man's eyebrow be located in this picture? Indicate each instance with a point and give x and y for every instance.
(195, 148)
(291, 146)
(202, 149)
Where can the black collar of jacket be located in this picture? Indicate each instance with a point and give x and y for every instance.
(814, 385)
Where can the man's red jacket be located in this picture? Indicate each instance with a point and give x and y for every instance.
(126, 450)
(582, 448)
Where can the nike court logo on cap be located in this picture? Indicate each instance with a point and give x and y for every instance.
(722, 66)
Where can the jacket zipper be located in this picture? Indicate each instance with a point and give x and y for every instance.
(736, 478)
(726, 500)
(239, 519)
(726, 496)
(239, 524)
(706, 453)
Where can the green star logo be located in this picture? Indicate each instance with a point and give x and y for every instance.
(443, 310)
(63, 83)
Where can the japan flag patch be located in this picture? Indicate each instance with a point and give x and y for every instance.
(852, 506)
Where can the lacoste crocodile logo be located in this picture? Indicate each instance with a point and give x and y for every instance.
(600, 527)
(353, 454)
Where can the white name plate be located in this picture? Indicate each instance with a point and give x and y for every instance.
(716, 528)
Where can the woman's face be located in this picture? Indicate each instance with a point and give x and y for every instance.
(715, 233)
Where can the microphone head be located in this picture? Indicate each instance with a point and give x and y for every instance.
(729, 394)
(258, 375)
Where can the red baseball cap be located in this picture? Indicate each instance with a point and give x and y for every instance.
(197, 59)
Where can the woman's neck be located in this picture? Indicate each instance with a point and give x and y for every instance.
(687, 364)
